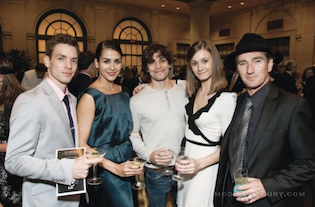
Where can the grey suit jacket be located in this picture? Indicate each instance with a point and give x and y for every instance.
(39, 126)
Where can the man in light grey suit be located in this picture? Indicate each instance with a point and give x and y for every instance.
(40, 125)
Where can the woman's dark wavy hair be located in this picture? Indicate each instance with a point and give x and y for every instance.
(304, 72)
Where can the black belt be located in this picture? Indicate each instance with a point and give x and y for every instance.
(161, 169)
(203, 144)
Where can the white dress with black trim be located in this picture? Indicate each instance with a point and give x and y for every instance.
(204, 130)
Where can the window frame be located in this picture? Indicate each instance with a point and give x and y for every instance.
(129, 42)
(81, 39)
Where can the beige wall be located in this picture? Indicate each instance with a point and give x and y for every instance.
(299, 25)
(18, 19)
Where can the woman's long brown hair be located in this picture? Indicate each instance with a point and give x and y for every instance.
(10, 89)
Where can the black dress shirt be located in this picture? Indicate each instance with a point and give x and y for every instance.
(258, 100)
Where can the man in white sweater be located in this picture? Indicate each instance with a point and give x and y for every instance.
(158, 113)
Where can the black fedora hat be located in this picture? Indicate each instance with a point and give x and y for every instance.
(249, 43)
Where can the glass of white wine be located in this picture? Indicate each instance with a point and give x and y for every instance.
(137, 161)
(96, 153)
(180, 156)
(167, 171)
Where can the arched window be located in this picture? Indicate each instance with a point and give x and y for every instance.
(133, 37)
(58, 22)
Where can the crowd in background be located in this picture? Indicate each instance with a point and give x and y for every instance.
(201, 113)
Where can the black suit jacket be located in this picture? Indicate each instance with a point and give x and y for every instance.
(131, 83)
(286, 82)
(282, 154)
(79, 84)
(309, 93)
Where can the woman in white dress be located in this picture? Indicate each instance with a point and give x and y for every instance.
(209, 113)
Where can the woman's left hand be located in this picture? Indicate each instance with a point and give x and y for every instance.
(190, 166)
(138, 88)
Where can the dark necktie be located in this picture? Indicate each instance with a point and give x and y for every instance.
(66, 100)
(240, 138)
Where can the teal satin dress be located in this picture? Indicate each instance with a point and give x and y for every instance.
(110, 130)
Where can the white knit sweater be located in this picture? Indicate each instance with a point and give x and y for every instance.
(159, 116)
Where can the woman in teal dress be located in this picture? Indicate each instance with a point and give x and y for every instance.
(104, 120)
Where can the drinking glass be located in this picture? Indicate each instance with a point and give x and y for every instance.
(137, 161)
(167, 171)
(180, 156)
(96, 153)
(240, 178)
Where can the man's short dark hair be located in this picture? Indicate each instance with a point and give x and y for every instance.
(85, 60)
(40, 67)
(61, 39)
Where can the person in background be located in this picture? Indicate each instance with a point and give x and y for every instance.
(181, 73)
(210, 110)
(271, 135)
(34, 77)
(104, 120)
(42, 121)
(124, 73)
(10, 88)
(158, 114)
(235, 83)
(307, 73)
(132, 83)
(86, 75)
(287, 80)
(134, 71)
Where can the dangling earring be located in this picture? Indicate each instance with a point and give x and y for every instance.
(1, 84)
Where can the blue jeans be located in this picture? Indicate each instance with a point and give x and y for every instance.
(158, 186)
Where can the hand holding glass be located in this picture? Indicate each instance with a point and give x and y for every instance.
(240, 178)
(167, 171)
(137, 161)
(180, 156)
(96, 153)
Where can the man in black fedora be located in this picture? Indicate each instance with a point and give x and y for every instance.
(271, 135)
